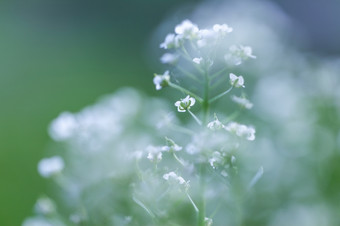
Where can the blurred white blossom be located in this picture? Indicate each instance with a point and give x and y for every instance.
(169, 58)
(161, 81)
(241, 130)
(48, 167)
(242, 101)
(237, 54)
(187, 29)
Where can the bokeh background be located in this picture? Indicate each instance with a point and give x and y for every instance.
(64, 55)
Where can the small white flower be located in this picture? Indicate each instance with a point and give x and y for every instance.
(222, 29)
(187, 29)
(172, 146)
(48, 167)
(237, 54)
(169, 58)
(44, 205)
(242, 101)
(236, 81)
(185, 104)
(208, 221)
(171, 41)
(154, 153)
(161, 81)
(63, 127)
(173, 177)
(224, 173)
(215, 159)
(197, 60)
(233, 159)
(40, 221)
(215, 125)
(205, 36)
(241, 130)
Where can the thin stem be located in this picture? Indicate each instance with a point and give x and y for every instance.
(216, 209)
(201, 213)
(180, 88)
(205, 103)
(178, 160)
(216, 74)
(189, 58)
(195, 117)
(192, 76)
(143, 206)
(192, 202)
(220, 95)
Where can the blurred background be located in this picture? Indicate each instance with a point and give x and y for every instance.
(64, 55)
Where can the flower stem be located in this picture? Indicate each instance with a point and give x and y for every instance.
(152, 215)
(215, 75)
(205, 103)
(192, 202)
(192, 76)
(201, 212)
(180, 88)
(220, 95)
(178, 160)
(195, 117)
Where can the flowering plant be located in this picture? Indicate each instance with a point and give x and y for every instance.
(123, 167)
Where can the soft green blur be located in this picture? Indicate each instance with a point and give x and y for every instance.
(56, 56)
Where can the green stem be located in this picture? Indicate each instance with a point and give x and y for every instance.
(220, 95)
(192, 76)
(152, 215)
(192, 202)
(215, 75)
(205, 103)
(175, 86)
(195, 117)
(178, 160)
(201, 212)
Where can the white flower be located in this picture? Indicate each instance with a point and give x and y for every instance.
(154, 153)
(44, 205)
(215, 125)
(40, 221)
(242, 101)
(171, 41)
(63, 127)
(208, 221)
(233, 159)
(215, 159)
(169, 58)
(238, 54)
(48, 167)
(161, 81)
(172, 146)
(197, 60)
(185, 104)
(205, 36)
(236, 81)
(222, 29)
(173, 177)
(187, 29)
(241, 130)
